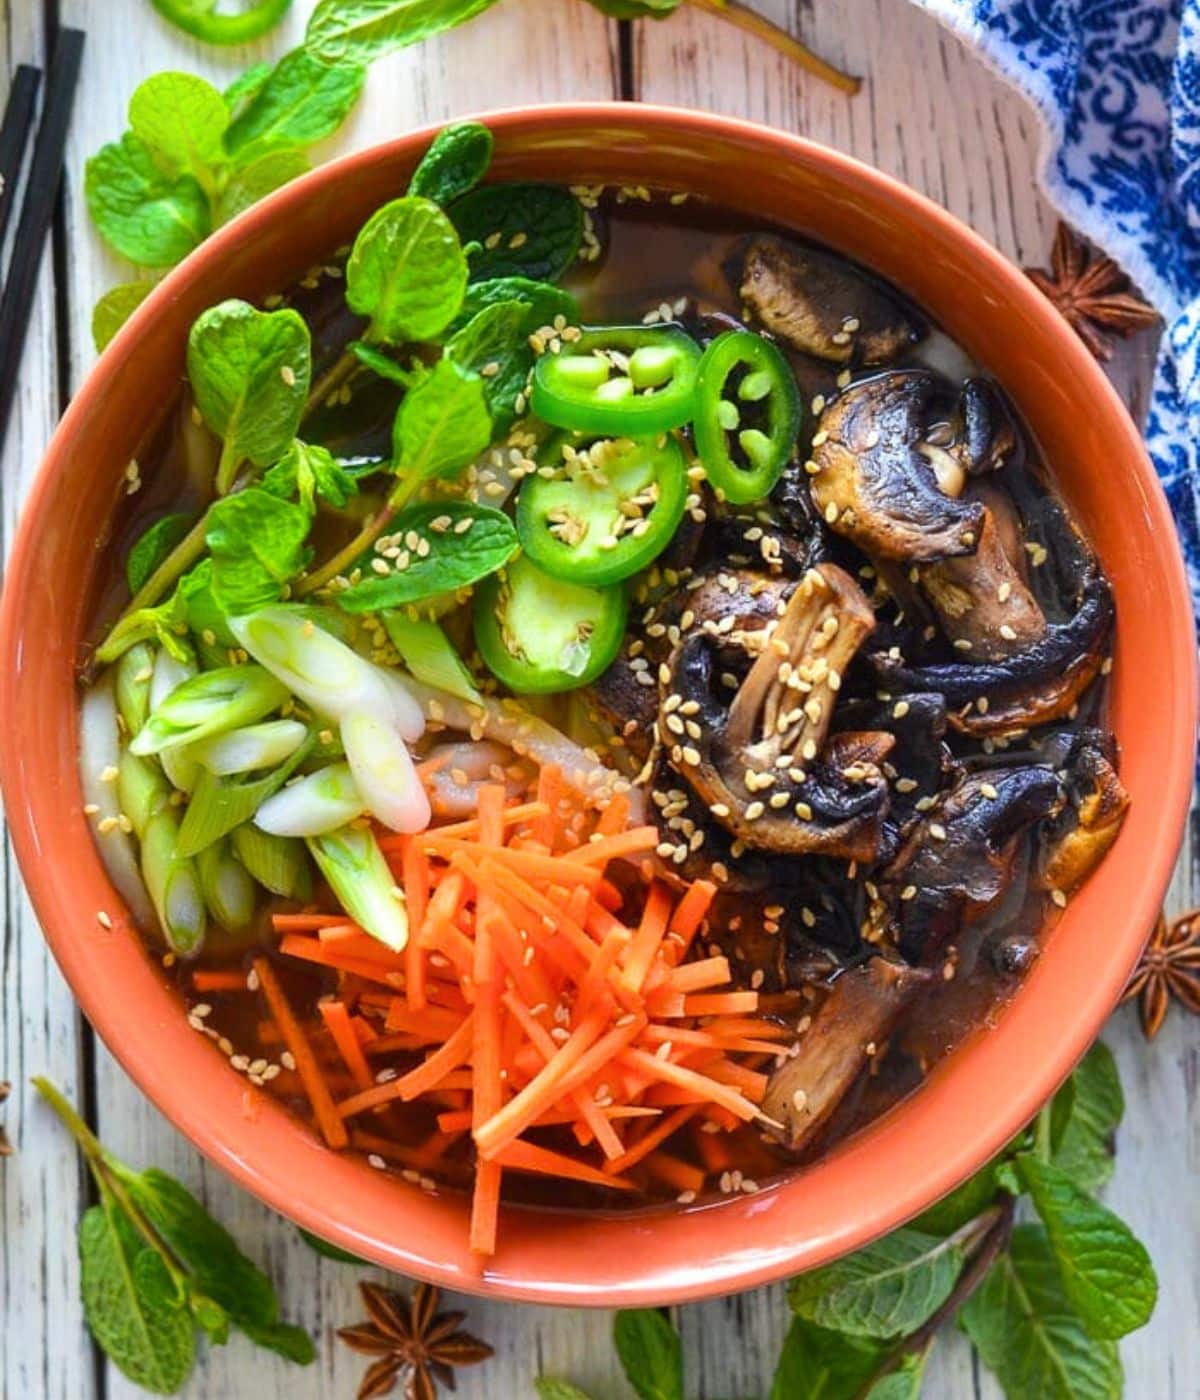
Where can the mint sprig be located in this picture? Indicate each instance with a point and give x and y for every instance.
(156, 1268)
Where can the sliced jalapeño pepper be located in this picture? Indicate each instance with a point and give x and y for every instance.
(539, 634)
(747, 415)
(608, 512)
(631, 380)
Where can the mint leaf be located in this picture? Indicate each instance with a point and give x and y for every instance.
(886, 1290)
(546, 301)
(286, 1340)
(406, 271)
(122, 1302)
(1105, 1269)
(302, 101)
(525, 230)
(549, 1388)
(148, 217)
(495, 346)
(442, 426)
(455, 162)
(250, 371)
(248, 183)
(454, 559)
(964, 1203)
(306, 471)
(1025, 1330)
(241, 92)
(363, 30)
(651, 1353)
(1083, 1118)
(382, 365)
(901, 1384)
(182, 119)
(115, 307)
(257, 545)
(329, 1251)
(636, 9)
(819, 1363)
(204, 615)
(153, 546)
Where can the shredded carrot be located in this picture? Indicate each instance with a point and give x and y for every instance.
(338, 1023)
(712, 1091)
(634, 842)
(667, 1125)
(218, 980)
(555, 870)
(700, 975)
(681, 1176)
(302, 923)
(550, 790)
(307, 1065)
(615, 817)
(414, 872)
(690, 911)
(648, 937)
(720, 1004)
(313, 950)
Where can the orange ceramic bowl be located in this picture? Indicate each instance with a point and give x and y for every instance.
(978, 1097)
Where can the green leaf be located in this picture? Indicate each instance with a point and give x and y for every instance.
(221, 805)
(1105, 1269)
(210, 1317)
(457, 557)
(970, 1199)
(115, 307)
(241, 92)
(257, 544)
(636, 9)
(203, 1246)
(1083, 1118)
(153, 546)
(406, 271)
(546, 301)
(886, 1290)
(250, 372)
(1025, 1330)
(455, 162)
(430, 655)
(817, 1363)
(330, 1251)
(181, 119)
(495, 340)
(284, 1338)
(651, 1353)
(550, 1388)
(381, 364)
(443, 424)
(248, 183)
(306, 471)
(363, 30)
(526, 230)
(161, 624)
(204, 615)
(301, 102)
(901, 1384)
(122, 1301)
(148, 217)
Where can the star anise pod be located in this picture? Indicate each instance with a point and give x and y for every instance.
(409, 1335)
(1091, 293)
(6, 1147)
(1170, 968)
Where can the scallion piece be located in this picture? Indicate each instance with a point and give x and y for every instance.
(429, 654)
(212, 702)
(278, 863)
(353, 865)
(219, 805)
(248, 750)
(169, 674)
(384, 772)
(135, 670)
(173, 884)
(311, 806)
(227, 886)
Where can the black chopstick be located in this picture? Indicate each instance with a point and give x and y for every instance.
(37, 210)
(14, 135)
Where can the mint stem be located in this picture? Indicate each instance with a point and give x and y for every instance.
(1042, 1145)
(333, 378)
(88, 1142)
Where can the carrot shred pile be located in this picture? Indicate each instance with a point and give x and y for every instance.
(532, 1016)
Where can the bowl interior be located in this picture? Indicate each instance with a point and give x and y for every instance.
(974, 1100)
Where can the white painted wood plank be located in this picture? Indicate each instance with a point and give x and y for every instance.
(44, 1349)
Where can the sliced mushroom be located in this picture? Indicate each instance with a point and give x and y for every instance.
(1036, 686)
(848, 1029)
(987, 434)
(981, 599)
(1092, 822)
(625, 699)
(755, 759)
(873, 484)
(817, 305)
(958, 861)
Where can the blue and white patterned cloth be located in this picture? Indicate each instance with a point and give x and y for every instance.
(1117, 84)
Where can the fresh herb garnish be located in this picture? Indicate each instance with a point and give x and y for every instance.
(301, 101)
(307, 472)
(156, 1267)
(495, 345)
(115, 308)
(152, 218)
(523, 229)
(455, 162)
(153, 546)
(257, 543)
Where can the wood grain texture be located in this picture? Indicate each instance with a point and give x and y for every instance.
(929, 113)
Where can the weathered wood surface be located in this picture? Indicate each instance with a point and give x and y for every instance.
(929, 113)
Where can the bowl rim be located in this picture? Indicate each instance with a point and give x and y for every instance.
(232, 1147)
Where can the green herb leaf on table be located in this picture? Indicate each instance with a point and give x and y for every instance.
(248, 183)
(651, 1353)
(442, 426)
(1084, 1116)
(153, 546)
(885, 1290)
(257, 543)
(904, 1383)
(363, 30)
(495, 346)
(182, 120)
(301, 101)
(551, 1388)
(147, 216)
(241, 92)
(546, 301)
(249, 371)
(307, 471)
(457, 556)
(115, 307)
(524, 230)
(1026, 1331)
(1105, 1269)
(406, 272)
(456, 161)
(819, 1363)
(963, 1204)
